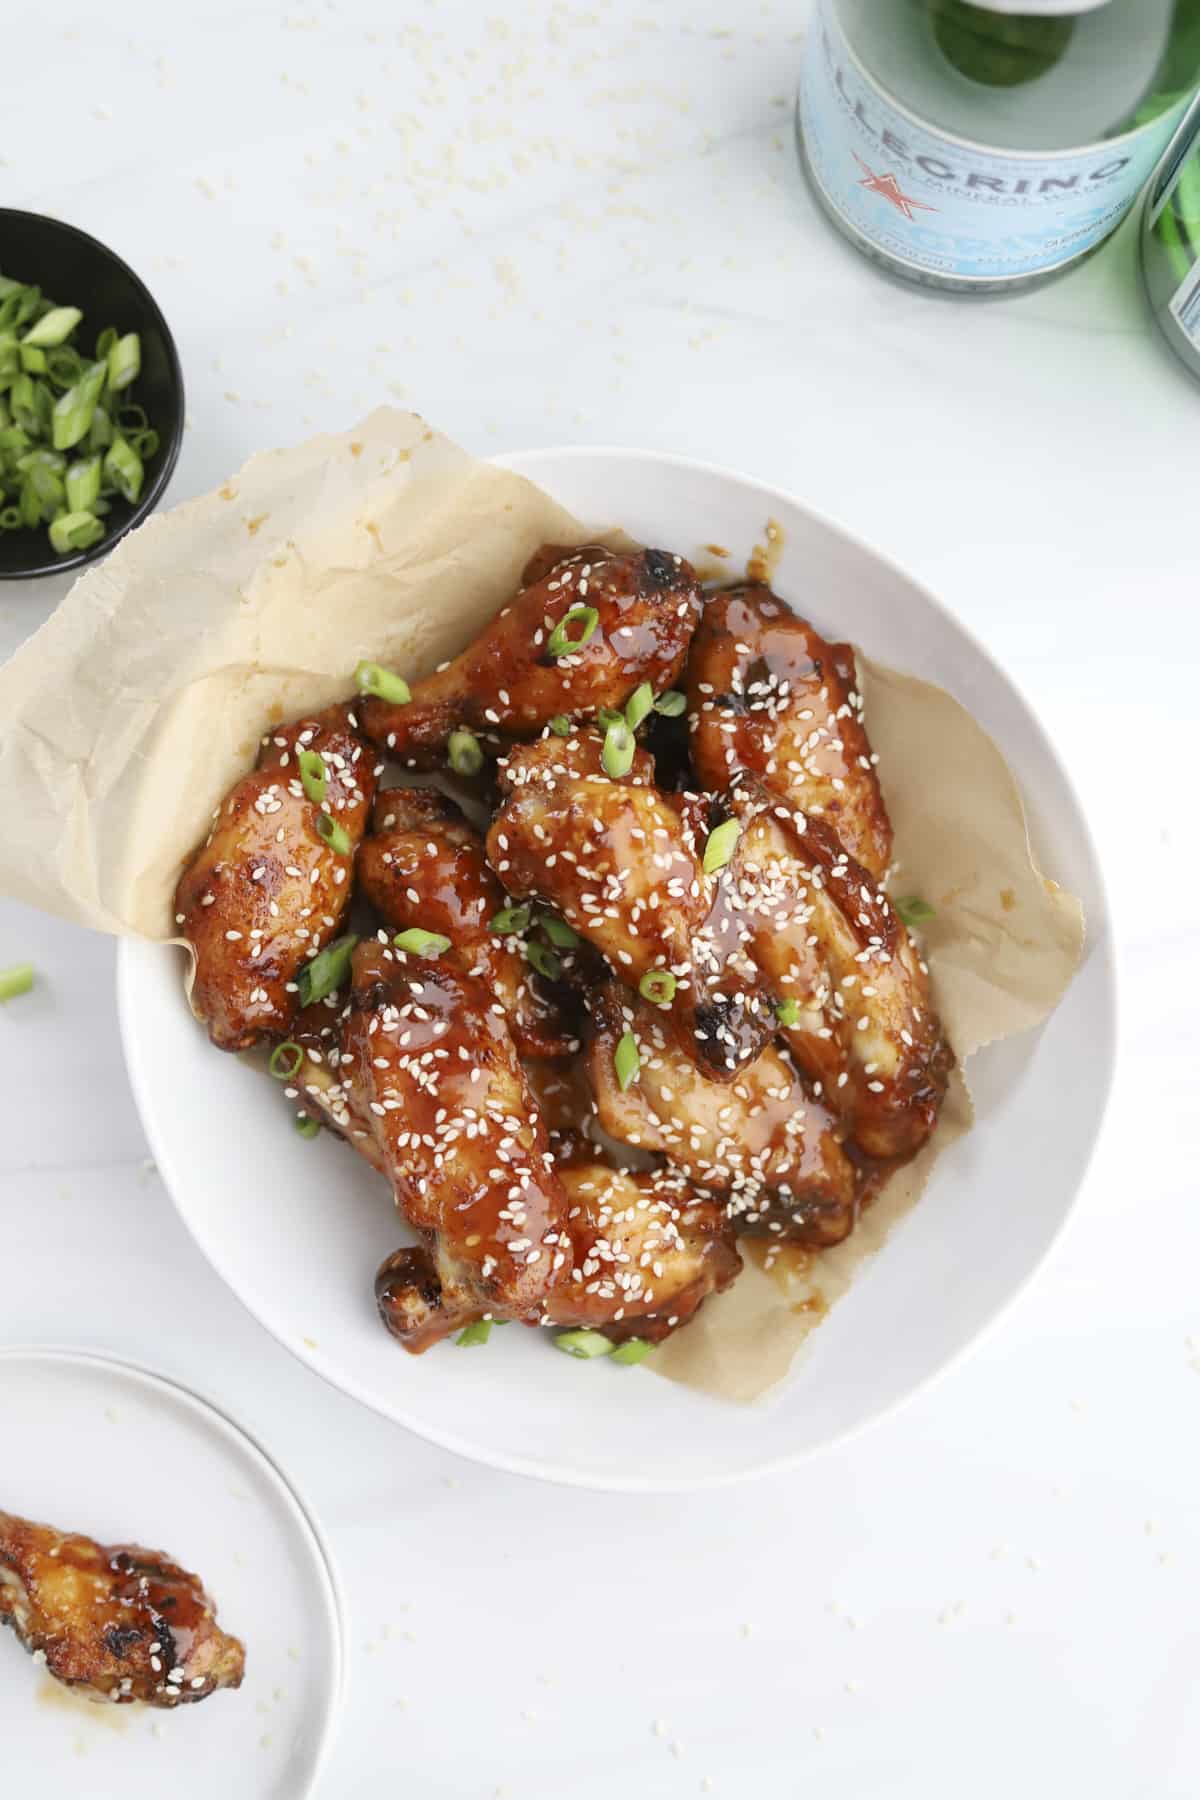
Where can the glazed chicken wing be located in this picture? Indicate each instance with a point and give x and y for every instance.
(858, 1016)
(624, 866)
(317, 1084)
(115, 1621)
(424, 865)
(266, 890)
(509, 683)
(766, 693)
(429, 1056)
(761, 1141)
(646, 1251)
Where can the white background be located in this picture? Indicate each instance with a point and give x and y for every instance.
(585, 224)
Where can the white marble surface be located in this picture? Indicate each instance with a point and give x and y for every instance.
(584, 224)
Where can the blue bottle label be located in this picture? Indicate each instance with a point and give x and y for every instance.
(937, 202)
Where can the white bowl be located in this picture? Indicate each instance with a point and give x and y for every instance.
(297, 1228)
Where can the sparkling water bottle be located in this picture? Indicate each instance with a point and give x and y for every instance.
(984, 148)
(1171, 241)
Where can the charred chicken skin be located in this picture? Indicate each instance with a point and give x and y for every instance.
(768, 694)
(266, 890)
(116, 1622)
(423, 865)
(623, 864)
(646, 1251)
(632, 615)
(761, 1142)
(429, 1060)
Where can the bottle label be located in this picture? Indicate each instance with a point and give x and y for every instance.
(937, 202)
(1185, 305)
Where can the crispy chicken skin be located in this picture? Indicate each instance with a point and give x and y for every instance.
(623, 863)
(264, 892)
(761, 1142)
(431, 1063)
(646, 1251)
(506, 684)
(768, 694)
(424, 865)
(115, 1621)
(827, 939)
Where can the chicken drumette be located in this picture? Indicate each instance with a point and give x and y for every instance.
(115, 1621)
(760, 1142)
(631, 613)
(423, 865)
(646, 1251)
(852, 995)
(427, 1057)
(767, 694)
(271, 882)
(624, 864)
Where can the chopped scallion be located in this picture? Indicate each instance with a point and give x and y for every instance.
(558, 931)
(657, 986)
(510, 919)
(671, 704)
(373, 678)
(633, 1350)
(617, 754)
(788, 1013)
(464, 752)
(313, 776)
(573, 630)
(16, 980)
(286, 1060)
(627, 1064)
(913, 910)
(543, 960)
(421, 943)
(584, 1344)
(560, 725)
(326, 970)
(333, 834)
(721, 845)
(639, 705)
(305, 1125)
(478, 1333)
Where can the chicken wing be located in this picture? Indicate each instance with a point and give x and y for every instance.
(857, 1013)
(428, 1050)
(424, 865)
(768, 694)
(761, 1142)
(646, 1250)
(623, 863)
(509, 682)
(266, 891)
(118, 1622)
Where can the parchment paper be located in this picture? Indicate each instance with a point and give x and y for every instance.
(127, 716)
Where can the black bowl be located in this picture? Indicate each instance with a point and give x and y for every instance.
(75, 270)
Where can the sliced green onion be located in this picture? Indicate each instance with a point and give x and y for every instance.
(105, 342)
(22, 399)
(626, 1061)
(721, 845)
(478, 1333)
(83, 484)
(331, 833)
(510, 918)
(658, 986)
(64, 366)
(608, 716)
(313, 776)
(33, 360)
(100, 431)
(633, 1350)
(286, 1060)
(560, 725)
(639, 705)
(558, 931)
(421, 943)
(788, 1013)
(463, 752)
(325, 971)
(305, 1126)
(124, 361)
(17, 980)
(145, 443)
(617, 754)
(31, 506)
(75, 531)
(543, 960)
(50, 489)
(123, 467)
(53, 328)
(584, 1344)
(373, 678)
(73, 410)
(131, 417)
(561, 642)
(10, 518)
(913, 910)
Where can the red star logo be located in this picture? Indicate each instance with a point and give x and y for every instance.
(888, 188)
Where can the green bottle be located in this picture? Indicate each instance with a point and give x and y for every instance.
(1171, 241)
(984, 147)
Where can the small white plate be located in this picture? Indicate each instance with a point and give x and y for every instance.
(301, 1248)
(111, 1450)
